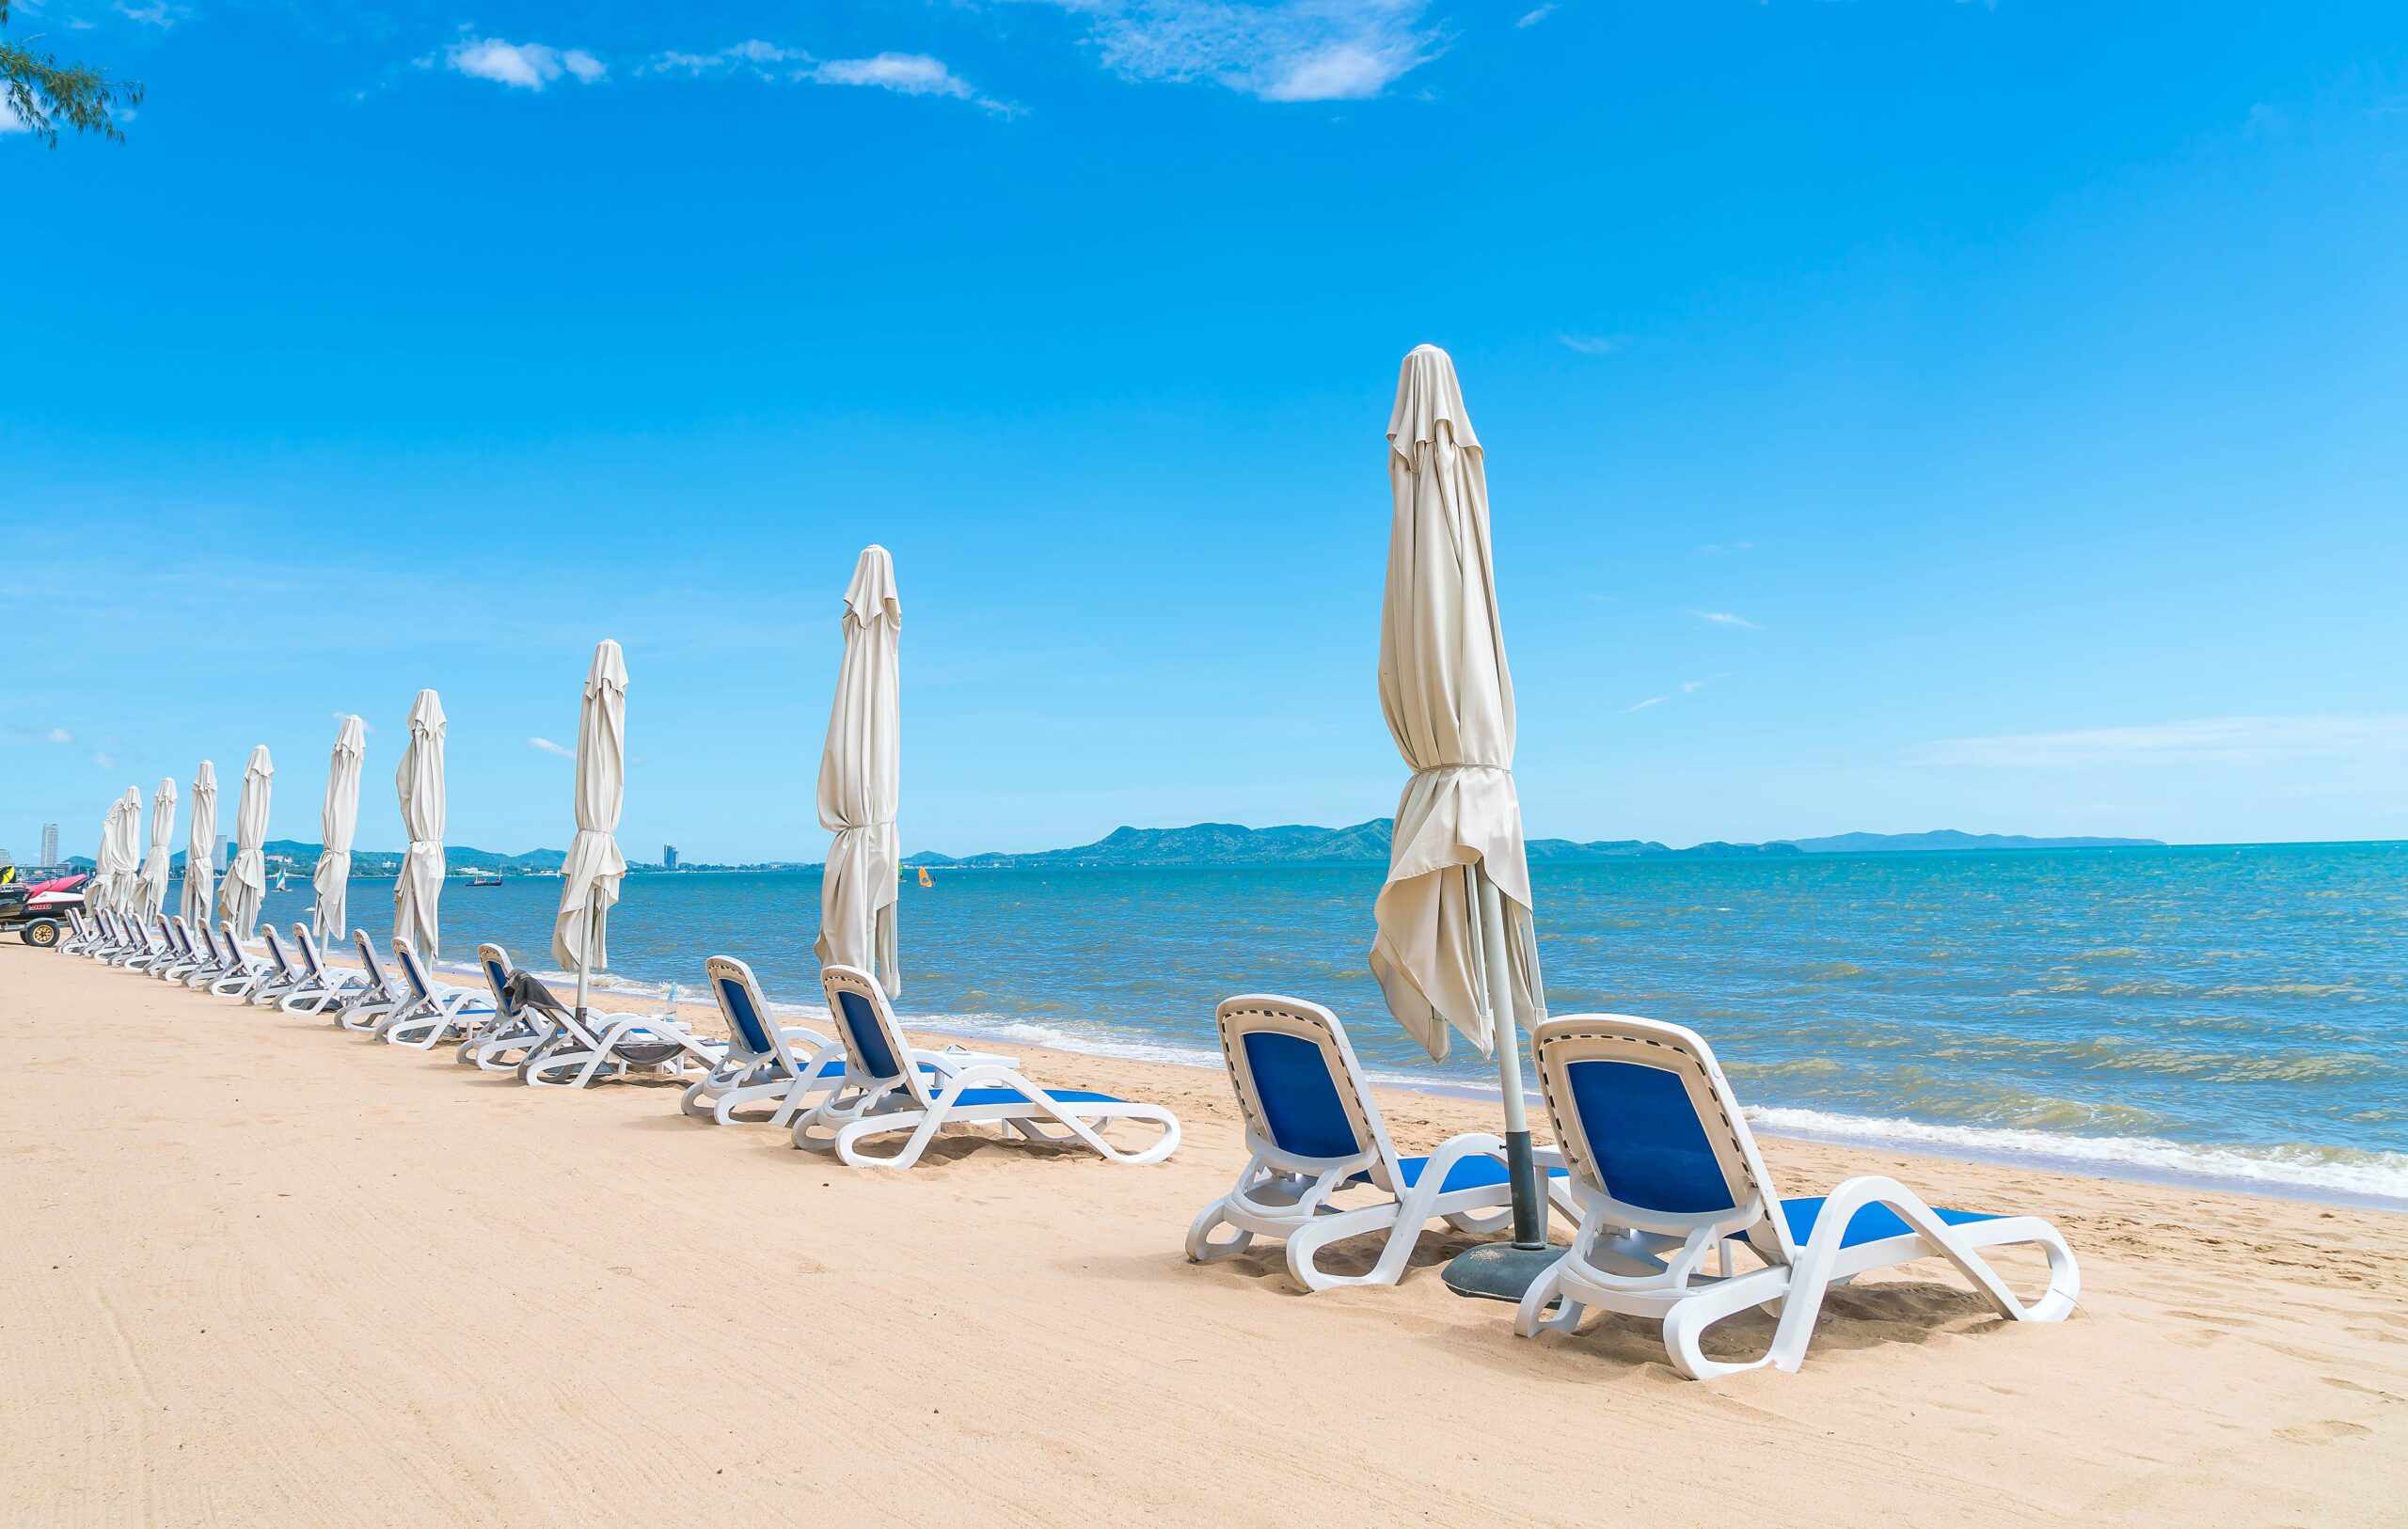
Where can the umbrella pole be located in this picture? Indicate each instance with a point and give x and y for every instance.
(1530, 1208)
(1501, 1270)
(585, 959)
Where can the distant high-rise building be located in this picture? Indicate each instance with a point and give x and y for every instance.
(50, 844)
(669, 856)
(225, 853)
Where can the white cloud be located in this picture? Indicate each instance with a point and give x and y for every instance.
(1303, 50)
(10, 120)
(1533, 18)
(521, 66)
(2213, 739)
(1650, 700)
(59, 734)
(1724, 618)
(1690, 687)
(1591, 344)
(1718, 550)
(906, 73)
(546, 746)
(106, 761)
(159, 13)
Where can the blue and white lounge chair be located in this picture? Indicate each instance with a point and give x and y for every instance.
(765, 1059)
(503, 1040)
(577, 1048)
(1315, 1132)
(321, 988)
(284, 975)
(367, 1009)
(213, 962)
(1658, 1145)
(429, 1012)
(885, 1092)
(242, 971)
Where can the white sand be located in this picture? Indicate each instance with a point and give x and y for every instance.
(257, 1271)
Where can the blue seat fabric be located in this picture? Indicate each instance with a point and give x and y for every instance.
(738, 1004)
(868, 1036)
(1300, 1102)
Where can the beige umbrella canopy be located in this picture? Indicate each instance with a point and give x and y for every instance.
(590, 875)
(859, 780)
(245, 885)
(336, 821)
(1448, 698)
(420, 782)
(200, 850)
(154, 861)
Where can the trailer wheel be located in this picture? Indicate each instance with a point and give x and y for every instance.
(41, 934)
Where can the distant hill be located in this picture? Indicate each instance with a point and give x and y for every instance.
(1943, 838)
(1364, 844)
(369, 862)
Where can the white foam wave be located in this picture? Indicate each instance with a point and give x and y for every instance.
(2311, 1172)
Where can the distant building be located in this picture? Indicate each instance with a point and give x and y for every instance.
(669, 856)
(50, 844)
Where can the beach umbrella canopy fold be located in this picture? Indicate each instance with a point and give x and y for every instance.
(860, 780)
(200, 850)
(1448, 699)
(245, 885)
(337, 822)
(590, 876)
(420, 783)
(155, 860)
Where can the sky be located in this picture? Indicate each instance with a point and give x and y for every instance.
(1899, 413)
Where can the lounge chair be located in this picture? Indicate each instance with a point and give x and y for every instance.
(187, 957)
(1314, 1133)
(207, 961)
(596, 1044)
(501, 1043)
(79, 933)
(284, 975)
(763, 1060)
(374, 1002)
(321, 988)
(243, 970)
(429, 1012)
(1666, 1172)
(151, 944)
(884, 1091)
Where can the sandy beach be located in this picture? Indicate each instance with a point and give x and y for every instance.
(259, 1270)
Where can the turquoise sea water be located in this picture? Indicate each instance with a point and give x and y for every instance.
(2233, 1015)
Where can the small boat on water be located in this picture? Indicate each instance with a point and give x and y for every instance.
(484, 882)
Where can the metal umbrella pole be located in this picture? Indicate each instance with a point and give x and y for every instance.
(1503, 1270)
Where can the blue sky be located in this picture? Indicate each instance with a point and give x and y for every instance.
(1900, 413)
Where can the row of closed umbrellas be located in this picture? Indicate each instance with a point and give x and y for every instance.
(1455, 948)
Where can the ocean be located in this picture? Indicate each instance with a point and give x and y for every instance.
(2233, 1015)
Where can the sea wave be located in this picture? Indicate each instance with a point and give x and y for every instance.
(2320, 1173)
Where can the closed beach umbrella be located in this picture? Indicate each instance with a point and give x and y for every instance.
(591, 874)
(154, 860)
(419, 780)
(1456, 948)
(245, 885)
(125, 853)
(200, 850)
(332, 877)
(859, 785)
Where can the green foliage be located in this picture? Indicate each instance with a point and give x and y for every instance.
(44, 93)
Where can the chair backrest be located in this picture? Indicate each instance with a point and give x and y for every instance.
(876, 1050)
(1307, 1106)
(367, 948)
(413, 974)
(284, 967)
(495, 963)
(306, 943)
(1647, 1120)
(753, 1031)
(235, 954)
(181, 934)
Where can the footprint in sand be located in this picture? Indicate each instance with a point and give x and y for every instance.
(2322, 1432)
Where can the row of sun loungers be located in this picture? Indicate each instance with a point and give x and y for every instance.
(1655, 1166)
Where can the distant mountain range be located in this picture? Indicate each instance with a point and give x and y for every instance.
(1232, 844)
